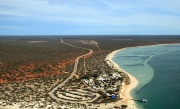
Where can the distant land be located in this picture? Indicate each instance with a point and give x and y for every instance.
(83, 36)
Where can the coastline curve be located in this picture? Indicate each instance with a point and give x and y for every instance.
(125, 91)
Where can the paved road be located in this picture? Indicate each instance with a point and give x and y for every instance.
(72, 74)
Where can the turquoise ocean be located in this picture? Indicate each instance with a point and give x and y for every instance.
(157, 68)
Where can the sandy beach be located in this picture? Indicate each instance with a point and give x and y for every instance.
(125, 89)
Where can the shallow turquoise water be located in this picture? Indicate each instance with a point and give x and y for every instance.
(157, 68)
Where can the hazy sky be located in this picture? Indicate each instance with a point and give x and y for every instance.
(89, 17)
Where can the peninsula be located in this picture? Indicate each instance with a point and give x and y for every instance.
(67, 72)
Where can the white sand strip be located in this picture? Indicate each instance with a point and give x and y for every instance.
(125, 89)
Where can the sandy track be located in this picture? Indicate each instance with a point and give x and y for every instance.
(51, 93)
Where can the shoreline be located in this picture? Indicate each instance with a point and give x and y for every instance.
(125, 91)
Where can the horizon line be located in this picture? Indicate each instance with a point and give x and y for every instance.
(92, 35)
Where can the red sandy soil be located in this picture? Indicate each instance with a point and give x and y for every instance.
(27, 72)
(32, 71)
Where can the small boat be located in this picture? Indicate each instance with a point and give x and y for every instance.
(143, 100)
